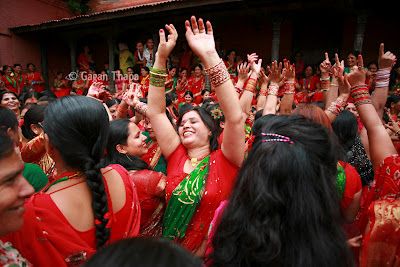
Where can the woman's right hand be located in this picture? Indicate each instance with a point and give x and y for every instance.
(166, 46)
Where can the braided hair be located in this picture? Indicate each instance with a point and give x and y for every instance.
(78, 128)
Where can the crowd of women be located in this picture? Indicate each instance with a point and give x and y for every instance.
(235, 164)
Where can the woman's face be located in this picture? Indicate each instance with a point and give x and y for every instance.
(10, 101)
(150, 43)
(139, 46)
(206, 95)
(188, 98)
(113, 111)
(149, 129)
(172, 72)
(31, 68)
(135, 143)
(8, 71)
(14, 189)
(31, 100)
(352, 108)
(143, 72)
(192, 130)
(183, 74)
(373, 68)
(232, 56)
(309, 71)
(351, 60)
(197, 71)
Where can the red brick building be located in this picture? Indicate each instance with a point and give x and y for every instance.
(46, 33)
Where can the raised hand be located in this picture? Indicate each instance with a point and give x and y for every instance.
(386, 59)
(337, 69)
(166, 46)
(201, 41)
(265, 75)
(130, 97)
(276, 72)
(326, 65)
(357, 76)
(289, 71)
(95, 89)
(243, 71)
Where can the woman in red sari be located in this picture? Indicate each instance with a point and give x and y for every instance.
(194, 159)
(80, 86)
(60, 86)
(145, 75)
(89, 205)
(126, 144)
(310, 85)
(34, 78)
(182, 85)
(10, 83)
(196, 84)
(381, 203)
(231, 64)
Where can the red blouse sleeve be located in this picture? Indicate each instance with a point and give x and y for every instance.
(353, 185)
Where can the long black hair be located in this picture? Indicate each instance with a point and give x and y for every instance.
(78, 128)
(144, 252)
(346, 129)
(119, 133)
(208, 121)
(284, 210)
(34, 115)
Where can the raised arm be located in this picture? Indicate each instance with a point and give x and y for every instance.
(202, 44)
(337, 84)
(248, 94)
(380, 144)
(272, 93)
(386, 61)
(288, 74)
(165, 133)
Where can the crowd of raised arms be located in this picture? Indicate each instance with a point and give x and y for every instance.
(237, 163)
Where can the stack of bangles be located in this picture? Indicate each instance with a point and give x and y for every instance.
(360, 94)
(158, 77)
(141, 108)
(325, 82)
(273, 89)
(382, 78)
(337, 106)
(218, 74)
(251, 85)
(264, 90)
(289, 87)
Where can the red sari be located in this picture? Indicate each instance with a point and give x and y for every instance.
(381, 241)
(218, 187)
(150, 188)
(145, 83)
(10, 83)
(48, 239)
(196, 86)
(35, 80)
(61, 88)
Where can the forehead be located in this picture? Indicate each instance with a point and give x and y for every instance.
(10, 164)
(8, 95)
(191, 115)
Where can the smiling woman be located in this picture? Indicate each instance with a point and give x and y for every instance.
(193, 158)
(10, 100)
(13, 191)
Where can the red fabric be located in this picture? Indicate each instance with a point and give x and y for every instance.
(145, 83)
(61, 88)
(10, 84)
(150, 187)
(381, 211)
(219, 184)
(47, 238)
(35, 77)
(83, 62)
(196, 87)
(353, 185)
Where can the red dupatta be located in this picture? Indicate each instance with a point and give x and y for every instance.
(381, 242)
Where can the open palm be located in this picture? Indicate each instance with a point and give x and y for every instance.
(201, 42)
